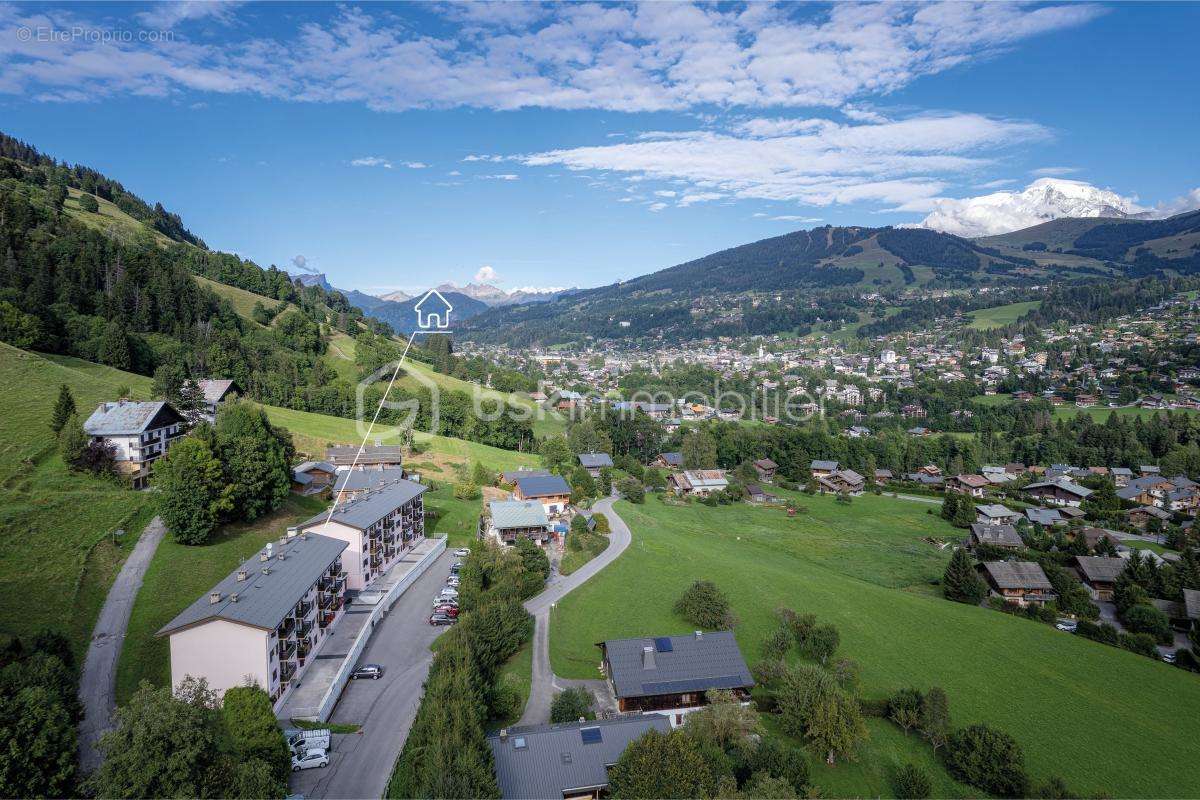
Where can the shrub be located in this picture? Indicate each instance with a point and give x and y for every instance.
(821, 643)
(912, 783)
(1140, 643)
(935, 717)
(705, 606)
(777, 643)
(1147, 619)
(467, 491)
(632, 490)
(572, 704)
(779, 761)
(987, 759)
(904, 708)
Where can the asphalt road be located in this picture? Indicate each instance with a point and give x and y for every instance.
(98, 684)
(361, 763)
(544, 684)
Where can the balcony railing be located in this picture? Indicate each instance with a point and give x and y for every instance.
(303, 631)
(287, 670)
(303, 609)
(326, 619)
(287, 649)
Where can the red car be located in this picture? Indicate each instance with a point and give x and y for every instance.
(450, 611)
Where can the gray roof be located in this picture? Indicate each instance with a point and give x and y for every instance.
(1100, 568)
(364, 510)
(305, 466)
(1043, 516)
(1191, 602)
(1017, 575)
(214, 390)
(672, 459)
(687, 663)
(996, 510)
(263, 600)
(545, 761)
(357, 480)
(523, 472)
(347, 454)
(998, 535)
(543, 486)
(595, 460)
(130, 417)
(824, 465)
(518, 514)
(1061, 483)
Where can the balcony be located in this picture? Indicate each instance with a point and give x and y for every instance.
(303, 631)
(287, 671)
(303, 609)
(326, 619)
(286, 649)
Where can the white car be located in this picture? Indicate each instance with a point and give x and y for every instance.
(462, 552)
(448, 592)
(1067, 627)
(310, 759)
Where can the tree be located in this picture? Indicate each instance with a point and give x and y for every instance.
(661, 765)
(935, 717)
(699, 450)
(192, 489)
(39, 745)
(764, 786)
(987, 759)
(572, 704)
(912, 783)
(724, 721)
(631, 489)
(800, 689)
(778, 761)
(705, 606)
(835, 726)
(535, 567)
(114, 349)
(88, 203)
(1143, 618)
(904, 708)
(606, 482)
(258, 743)
(960, 582)
(64, 409)
(72, 443)
(556, 455)
(257, 459)
(190, 402)
(163, 745)
(821, 643)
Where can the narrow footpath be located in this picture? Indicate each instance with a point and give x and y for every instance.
(98, 684)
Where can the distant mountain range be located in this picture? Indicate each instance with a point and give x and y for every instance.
(807, 277)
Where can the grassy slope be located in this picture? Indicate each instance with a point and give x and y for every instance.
(1070, 410)
(1053, 692)
(57, 557)
(996, 316)
(110, 220)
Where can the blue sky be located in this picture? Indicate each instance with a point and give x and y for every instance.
(575, 145)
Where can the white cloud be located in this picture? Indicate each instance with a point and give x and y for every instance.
(641, 57)
(656, 207)
(301, 263)
(508, 176)
(665, 193)
(691, 198)
(819, 163)
(1051, 172)
(1178, 205)
(415, 164)
(794, 218)
(997, 184)
(486, 274)
(371, 161)
(539, 289)
(170, 14)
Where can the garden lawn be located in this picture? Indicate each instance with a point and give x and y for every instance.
(179, 574)
(517, 672)
(999, 316)
(57, 554)
(1106, 720)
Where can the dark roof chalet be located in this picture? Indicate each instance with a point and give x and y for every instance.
(543, 486)
(1017, 575)
(1099, 569)
(131, 418)
(673, 664)
(595, 460)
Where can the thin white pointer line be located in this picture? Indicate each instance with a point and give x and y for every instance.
(370, 427)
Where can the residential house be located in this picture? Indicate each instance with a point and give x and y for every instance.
(1019, 582)
(138, 432)
(820, 468)
(311, 477)
(1044, 516)
(668, 461)
(513, 476)
(376, 456)
(882, 476)
(567, 760)
(1059, 492)
(765, 468)
(932, 470)
(216, 392)
(1121, 476)
(844, 481)
(262, 621)
(755, 493)
(670, 675)
(1005, 536)
(551, 490)
(1191, 604)
(1140, 517)
(510, 520)
(972, 485)
(1093, 536)
(595, 462)
(1099, 574)
(996, 514)
(379, 526)
(351, 483)
(700, 482)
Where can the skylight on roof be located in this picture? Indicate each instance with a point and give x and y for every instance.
(590, 735)
(519, 743)
(663, 644)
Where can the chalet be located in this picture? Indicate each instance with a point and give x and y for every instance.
(1191, 604)
(669, 675)
(765, 468)
(510, 520)
(755, 493)
(1099, 574)
(996, 514)
(883, 475)
(567, 760)
(1121, 476)
(919, 431)
(1093, 536)
(820, 468)
(376, 456)
(511, 477)
(264, 620)
(551, 490)
(668, 461)
(311, 477)
(926, 480)
(138, 432)
(1044, 516)
(595, 462)
(844, 481)
(972, 485)
(1150, 490)
(1005, 536)
(216, 392)
(379, 527)
(700, 482)
(1140, 517)
(1059, 492)
(1019, 582)
(932, 470)
(351, 483)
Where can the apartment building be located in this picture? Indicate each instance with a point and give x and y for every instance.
(138, 432)
(378, 525)
(264, 620)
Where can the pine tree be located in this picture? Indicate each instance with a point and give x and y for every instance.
(72, 443)
(64, 409)
(960, 581)
(949, 506)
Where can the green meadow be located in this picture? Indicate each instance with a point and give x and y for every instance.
(999, 316)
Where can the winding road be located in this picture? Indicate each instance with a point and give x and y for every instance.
(544, 684)
(98, 684)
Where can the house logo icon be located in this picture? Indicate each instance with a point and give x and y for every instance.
(433, 311)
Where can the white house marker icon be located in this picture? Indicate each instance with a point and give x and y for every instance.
(433, 310)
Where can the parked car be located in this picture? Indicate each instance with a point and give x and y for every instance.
(448, 591)
(448, 610)
(462, 552)
(1168, 658)
(1067, 625)
(444, 601)
(452, 582)
(301, 741)
(372, 671)
(441, 619)
(309, 759)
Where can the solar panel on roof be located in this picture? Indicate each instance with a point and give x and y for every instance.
(663, 644)
(590, 735)
(693, 684)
